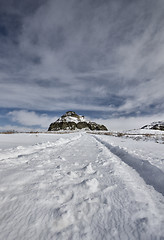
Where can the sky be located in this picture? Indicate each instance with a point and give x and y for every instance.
(100, 58)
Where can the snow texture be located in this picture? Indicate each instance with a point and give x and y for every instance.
(79, 186)
(73, 119)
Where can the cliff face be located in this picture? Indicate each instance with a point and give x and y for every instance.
(72, 121)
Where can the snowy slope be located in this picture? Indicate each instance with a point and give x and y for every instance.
(155, 125)
(78, 186)
(73, 119)
(71, 116)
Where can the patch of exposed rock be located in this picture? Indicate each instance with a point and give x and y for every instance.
(72, 121)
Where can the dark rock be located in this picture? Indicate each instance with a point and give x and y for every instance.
(144, 127)
(158, 127)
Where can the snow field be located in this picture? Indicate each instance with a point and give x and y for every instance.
(73, 187)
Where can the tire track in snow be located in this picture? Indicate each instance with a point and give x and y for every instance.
(136, 213)
(151, 174)
(118, 195)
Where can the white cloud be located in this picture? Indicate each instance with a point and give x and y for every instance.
(29, 118)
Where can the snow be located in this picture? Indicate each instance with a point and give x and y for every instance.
(148, 150)
(146, 170)
(72, 119)
(80, 186)
(139, 134)
(145, 131)
(15, 140)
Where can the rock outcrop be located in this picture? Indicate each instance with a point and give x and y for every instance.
(155, 126)
(72, 121)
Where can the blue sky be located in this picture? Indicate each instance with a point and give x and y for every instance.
(103, 59)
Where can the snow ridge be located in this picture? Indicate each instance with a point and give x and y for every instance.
(73, 119)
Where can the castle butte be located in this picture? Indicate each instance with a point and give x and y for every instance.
(72, 121)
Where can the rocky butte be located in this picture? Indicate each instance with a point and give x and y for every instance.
(72, 121)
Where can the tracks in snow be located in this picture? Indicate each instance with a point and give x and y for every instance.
(76, 189)
(150, 173)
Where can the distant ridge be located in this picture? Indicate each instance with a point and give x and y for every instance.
(72, 121)
(155, 126)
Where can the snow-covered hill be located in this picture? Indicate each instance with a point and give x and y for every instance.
(80, 186)
(155, 126)
(72, 117)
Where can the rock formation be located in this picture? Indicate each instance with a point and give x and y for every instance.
(72, 121)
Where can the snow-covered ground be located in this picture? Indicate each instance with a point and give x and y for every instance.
(146, 134)
(80, 186)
